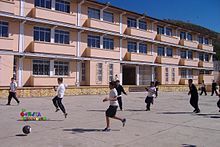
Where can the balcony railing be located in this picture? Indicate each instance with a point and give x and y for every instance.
(167, 60)
(168, 39)
(102, 53)
(140, 33)
(188, 43)
(139, 57)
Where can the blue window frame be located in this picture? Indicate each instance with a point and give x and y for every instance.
(93, 41)
(169, 52)
(94, 13)
(183, 35)
(201, 56)
(206, 57)
(107, 16)
(41, 34)
(160, 30)
(142, 25)
(108, 43)
(206, 41)
(132, 46)
(3, 29)
(63, 6)
(200, 39)
(131, 22)
(189, 36)
(43, 3)
(190, 55)
(62, 37)
(169, 31)
(41, 67)
(160, 51)
(143, 48)
(183, 54)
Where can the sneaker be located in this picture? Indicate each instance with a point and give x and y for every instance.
(8, 104)
(106, 130)
(197, 111)
(147, 109)
(219, 111)
(123, 122)
(57, 110)
(65, 115)
(18, 102)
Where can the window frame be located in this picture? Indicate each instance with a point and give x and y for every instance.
(108, 43)
(183, 54)
(167, 52)
(93, 41)
(143, 48)
(62, 6)
(4, 25)
(63, 37)
(106, 16)
(142, 25)
(169, 31)
(160, 51)
(59, 68)
(131, 22)
(132, 46)
(160, 30)
(44, 64)
(46, 4)
(92, 12)
(42, 30)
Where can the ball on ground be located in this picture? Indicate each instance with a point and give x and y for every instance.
(26, 129)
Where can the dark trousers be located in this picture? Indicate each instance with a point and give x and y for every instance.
(156, 92)
(58, 103)
(218, 103)
(148, 101)
(214, 90)
(12, 95)
(194, 102)
(120, 102)
(203, 90)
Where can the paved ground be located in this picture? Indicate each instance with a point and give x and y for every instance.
(171, 123)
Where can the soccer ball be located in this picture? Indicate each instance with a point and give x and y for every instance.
(26, 129)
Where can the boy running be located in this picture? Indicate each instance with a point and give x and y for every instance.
(12, 92)
(150, 95)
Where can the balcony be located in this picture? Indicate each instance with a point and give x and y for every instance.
(184, 81)
(54, 15)
(206, 64)
(139, 57)
(53, 48)
(168, 39)
(206, 47)
(167, 60)
(7, 6)
(104, 25)
(102, 53)
(207, 78)
(188, 62)
(188, 43)
(6, 43)
(140, 33)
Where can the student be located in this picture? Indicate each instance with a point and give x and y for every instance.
(120, 89)
(156, 84)
(111, 111)
(203, 88)
(150, 95)
(194, 96)
(214, 88)
(12, 92)
(218, 103)
(57, 100)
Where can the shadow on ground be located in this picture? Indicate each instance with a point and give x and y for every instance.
(97, 110)
(21, 135)
(83, 130)
(175, 113)
(188, 145)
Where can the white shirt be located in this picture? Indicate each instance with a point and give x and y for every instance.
(60, 90)
(151, 92)
(13, 86)
(113, 93)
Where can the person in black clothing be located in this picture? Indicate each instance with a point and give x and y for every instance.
(156, 84)
(203, 88)
(194, 96)
(214, 88)
(218, 103)
(120, 89)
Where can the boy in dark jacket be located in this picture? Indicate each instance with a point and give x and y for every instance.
(194, 96)
(120, 90)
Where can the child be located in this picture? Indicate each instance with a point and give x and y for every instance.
(12, 92)
(111, 111)
(203, 88)
(150, 95)
(194, 96)
(218, 103)
(120, 90)
(57, 100)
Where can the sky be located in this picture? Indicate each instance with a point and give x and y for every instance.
(205, 13)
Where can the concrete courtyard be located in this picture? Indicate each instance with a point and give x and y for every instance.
(170, 123)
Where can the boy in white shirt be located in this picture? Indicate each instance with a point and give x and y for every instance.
(111, 111)
(57, 100)
(12, 92)
(150, 95)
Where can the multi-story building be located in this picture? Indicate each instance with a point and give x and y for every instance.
(88, 43)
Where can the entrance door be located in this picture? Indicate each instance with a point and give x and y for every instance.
(129, 75)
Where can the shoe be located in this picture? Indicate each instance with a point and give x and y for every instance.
(194, 110)
(8, 104)
(147, 109)
(123, 122)
(106, 130)
(57, 110)
(65, 115)
(18, 102)
(197, 111)
(219, 111)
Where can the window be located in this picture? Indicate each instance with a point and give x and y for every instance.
(63, 6)
(132, 22)
(93, 41)
(167, 74)
(190, 55)
(173, 74)
(160, 30)
(43, 3)
(61, 68)
(160, 51)
(132, 47)
(200, 40)
(62, 37)
(169, 52)
(142, 25)
(3, 29)
(143, 48)
(183, 73)
(206, 57)
(190, 74)
(189, 36)
(108, 43)
(201, 57)
(99, 72)
(169, 31)
(107, 16)
(182, 35)
(41, 67)
(206, 41)
(41, 34)
(111, 72)
(83, 71)
(183, 54)
(94, 13)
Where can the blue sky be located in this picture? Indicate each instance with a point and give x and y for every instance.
(205, 13)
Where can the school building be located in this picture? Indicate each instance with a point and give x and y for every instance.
(88, 43)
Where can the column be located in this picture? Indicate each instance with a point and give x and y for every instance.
(120, 48)
(165, 51)
(186, 35)
(79, 6)
(138, 23)
(165, 30)
(121, 22)
(101, 41)
(78, 71)
(138, 45)
(152, 49)
(78, 43)
(52, 68)
(20, 71)
(22, 7)
(101, 14)
(121, 74)
(152, 73)
(53, 4)
(137, 75)
(187, 52)
(52, 35)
